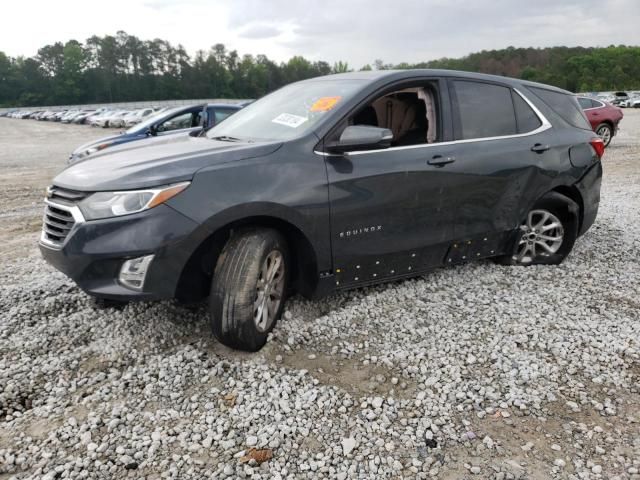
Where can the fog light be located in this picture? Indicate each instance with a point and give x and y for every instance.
(134, 271)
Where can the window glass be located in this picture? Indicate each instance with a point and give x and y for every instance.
(586, 102)
(485, 110)
(290, 112)
(176, 123)
(154, 118)
(221, 114)
(565, 105)
(410, 113)
(526, 118)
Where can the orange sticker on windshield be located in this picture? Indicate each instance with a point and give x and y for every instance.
(325, 104)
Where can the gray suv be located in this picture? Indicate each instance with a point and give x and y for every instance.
(328, 184)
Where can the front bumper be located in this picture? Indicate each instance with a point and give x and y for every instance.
(94, 252)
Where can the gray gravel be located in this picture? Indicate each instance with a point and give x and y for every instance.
(480, 371)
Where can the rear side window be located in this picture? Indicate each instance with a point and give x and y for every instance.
(565, 105)
(484, 110)
(221, 114)
(585, 102)
(526, 118)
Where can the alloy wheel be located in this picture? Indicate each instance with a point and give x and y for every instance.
(542, 236)
(269, 291)
(604, 132)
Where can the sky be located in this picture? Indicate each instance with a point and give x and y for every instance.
(356, 31)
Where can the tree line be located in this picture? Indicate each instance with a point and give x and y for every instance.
(125, 68)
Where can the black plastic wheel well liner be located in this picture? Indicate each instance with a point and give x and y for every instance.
(573, 193)
(196, 276)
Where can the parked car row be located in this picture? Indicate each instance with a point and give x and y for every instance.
(141, 123)
(632, 102)
(102, 117)
(618, 99)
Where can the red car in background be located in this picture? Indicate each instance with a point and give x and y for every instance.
(603, 117)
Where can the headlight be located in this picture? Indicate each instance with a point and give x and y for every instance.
(114, 204)
(97, 148)
(89, 151)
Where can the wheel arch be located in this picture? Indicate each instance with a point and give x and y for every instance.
(195, 278)
(572, 192)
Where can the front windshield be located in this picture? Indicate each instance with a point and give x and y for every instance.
(286, 113)
(151, 119)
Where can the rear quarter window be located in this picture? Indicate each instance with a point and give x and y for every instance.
(585, 103)
(526, 118)
(563, 104)
(484, 110)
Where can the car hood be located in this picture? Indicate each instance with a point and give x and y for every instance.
(156, 161)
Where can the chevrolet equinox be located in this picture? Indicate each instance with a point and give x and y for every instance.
(330, 183)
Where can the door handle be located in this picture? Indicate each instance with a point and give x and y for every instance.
(540, 148)
(440, 161)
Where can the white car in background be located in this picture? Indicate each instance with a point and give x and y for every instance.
(106, 120)
(117, 120)
(137, 116)
(94, 120)
(633, 102)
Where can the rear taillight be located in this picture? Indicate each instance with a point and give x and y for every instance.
(598, 146)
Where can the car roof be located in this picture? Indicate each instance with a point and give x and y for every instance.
(225, 105)
(390, 75)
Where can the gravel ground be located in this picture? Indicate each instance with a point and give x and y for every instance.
(480, 371)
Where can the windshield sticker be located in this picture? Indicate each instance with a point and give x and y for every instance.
(325, 104)
(289, 120)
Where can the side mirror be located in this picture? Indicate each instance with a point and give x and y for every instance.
(152, 131)
(362, 137)
(196, 132)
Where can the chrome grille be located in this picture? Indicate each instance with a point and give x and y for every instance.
(61, 214)
(66, 196)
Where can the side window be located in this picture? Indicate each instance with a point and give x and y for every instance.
(176, 123)
(220, 114)
(563, 104)
(410, 113)
(484, 110)
(585, 102)
(526, 119)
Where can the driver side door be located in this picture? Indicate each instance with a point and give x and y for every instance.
(391, 210)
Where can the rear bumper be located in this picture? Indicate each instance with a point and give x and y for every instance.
(589, 188)
(95, 251)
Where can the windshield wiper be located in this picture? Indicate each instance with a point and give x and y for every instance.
(226, 138)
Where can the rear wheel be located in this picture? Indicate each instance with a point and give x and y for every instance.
(605, 132)
(248, 288)
(547, 234)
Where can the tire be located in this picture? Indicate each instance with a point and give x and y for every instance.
(605, 132)
(528, 247)
(249, 257)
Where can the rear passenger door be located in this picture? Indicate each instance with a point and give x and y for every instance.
(502, 143)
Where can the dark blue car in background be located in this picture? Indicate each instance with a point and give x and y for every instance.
(177, 120)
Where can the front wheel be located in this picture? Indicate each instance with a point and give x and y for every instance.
(547, 234)
(605, 132)
(248, 289)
